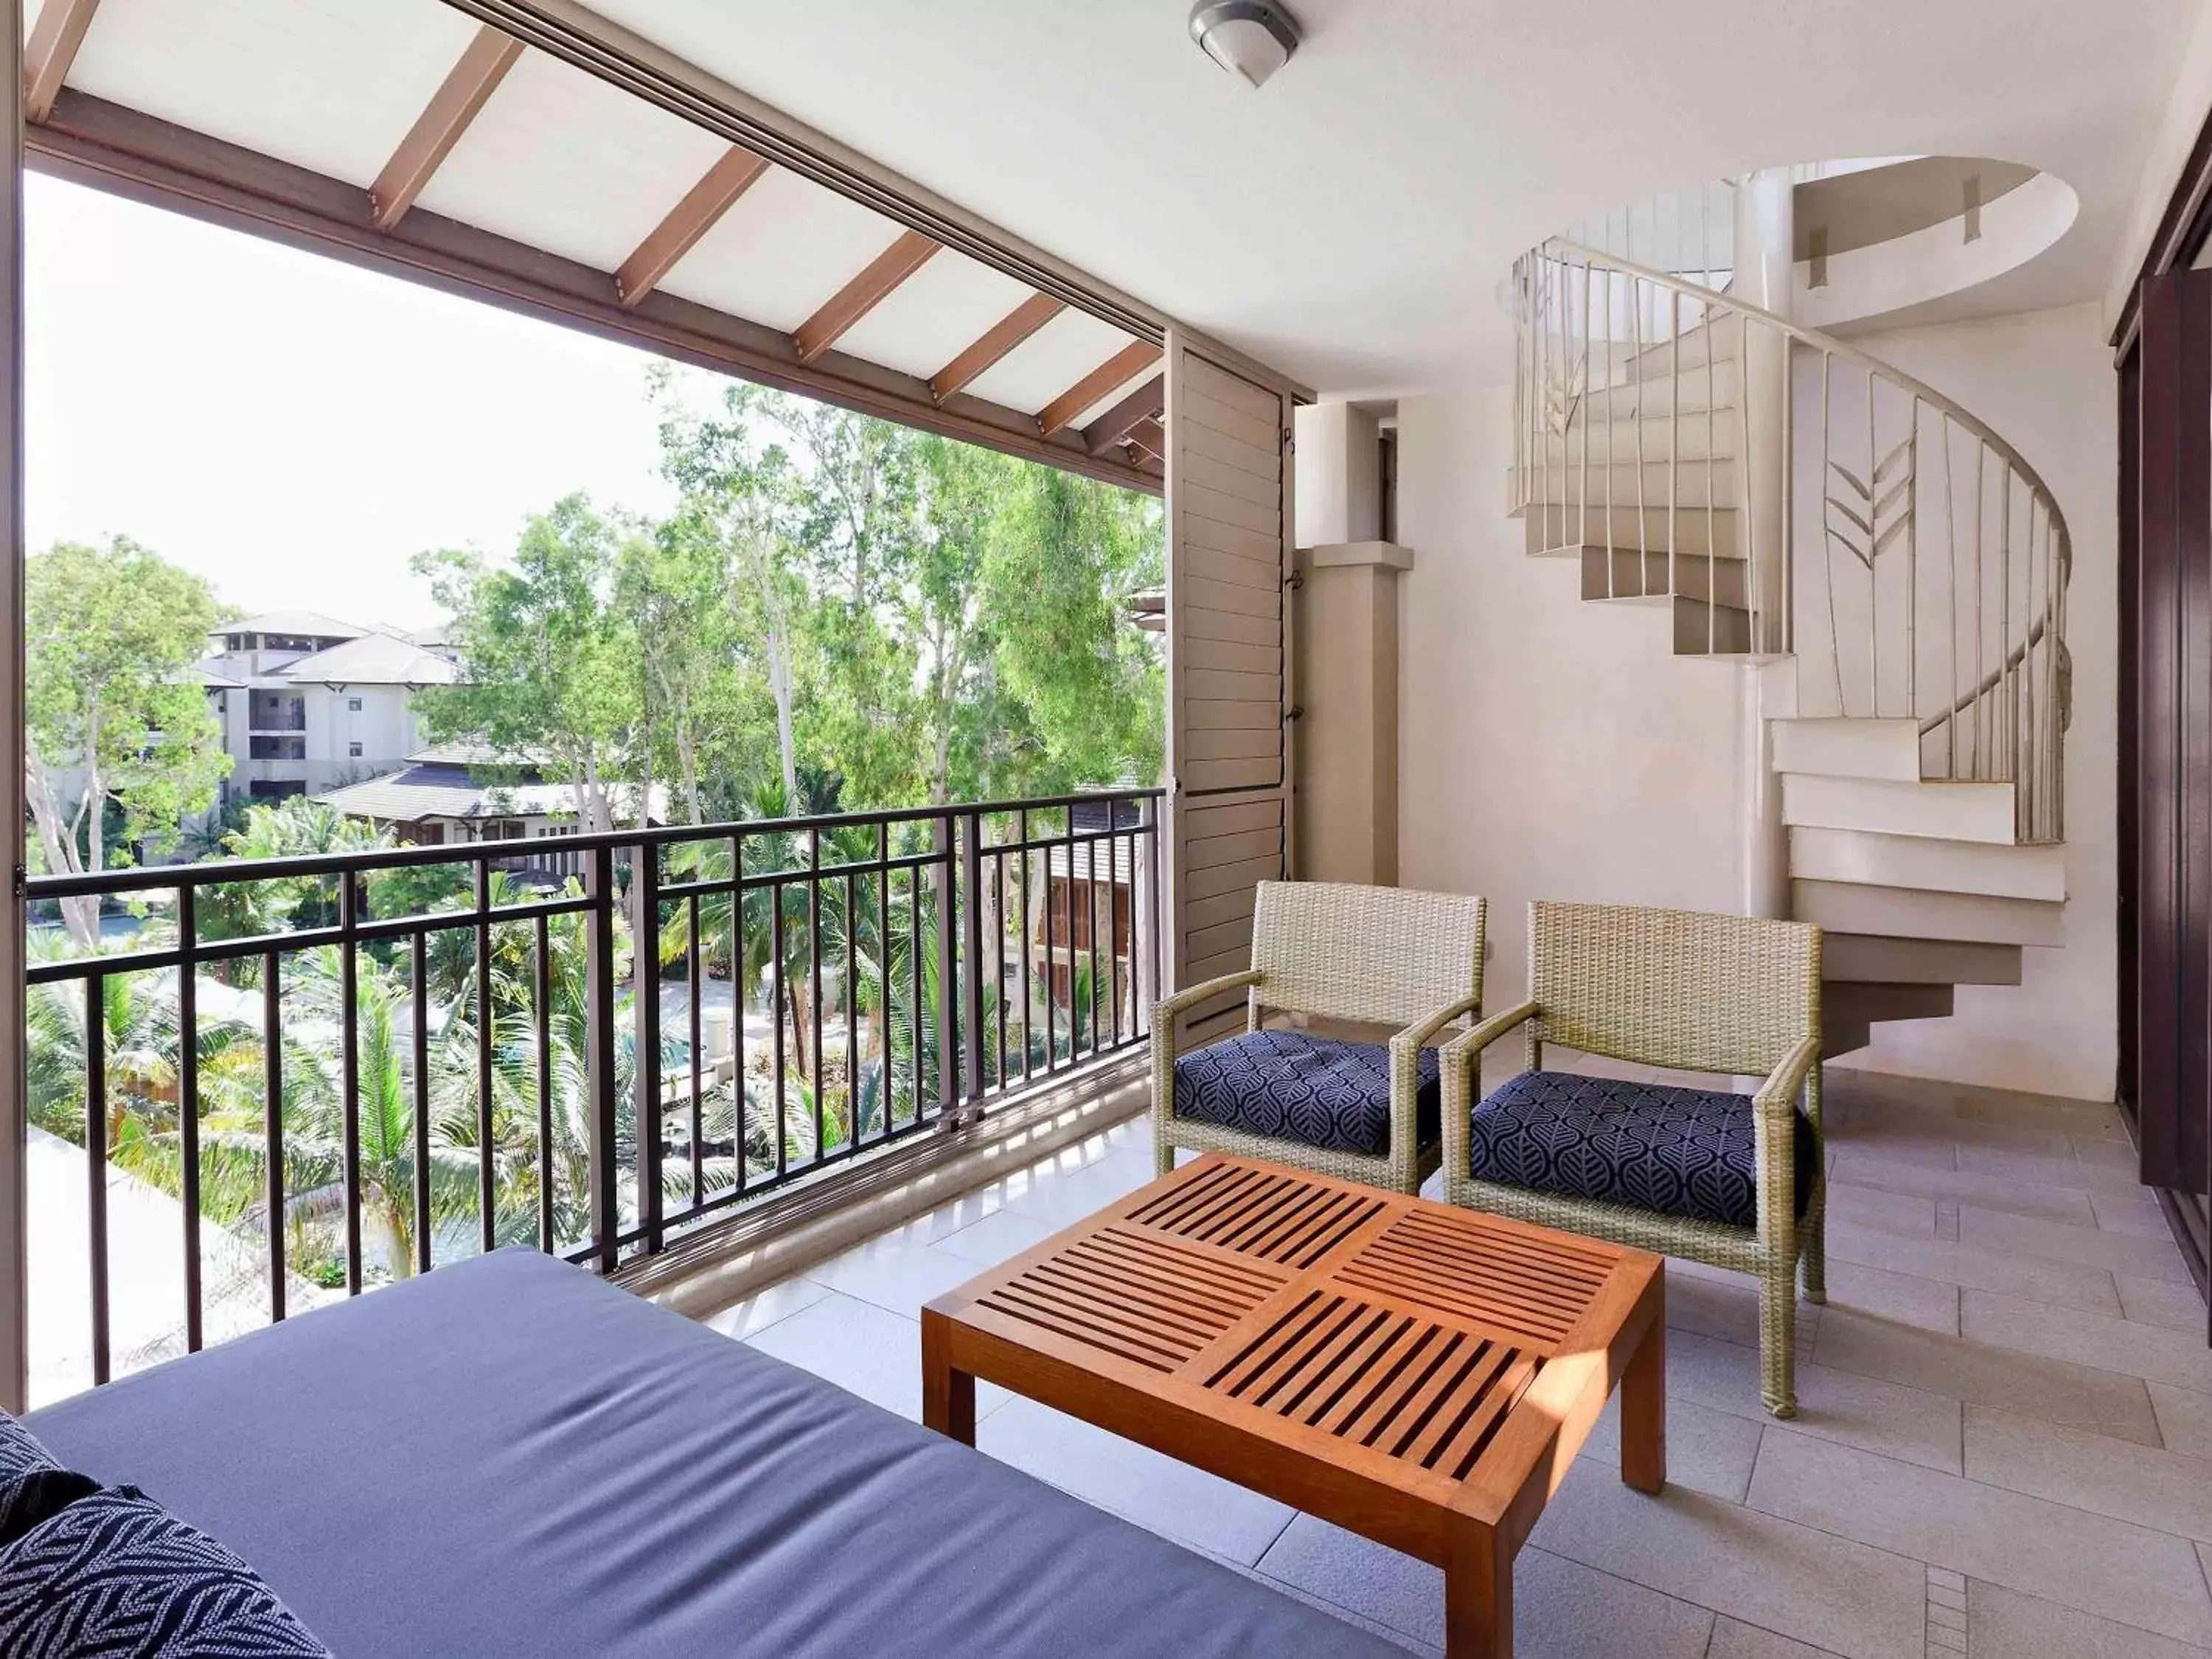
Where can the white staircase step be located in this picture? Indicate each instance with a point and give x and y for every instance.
(1885, 960)
(1622, 573)
(1696, 344)
(1949, 811)
(1615, 484)
(1948, 866)
(1686, 440)
(1720, 386)
(1869, 1002)
(1689, 530)
(1922, 913)
(1848, 748)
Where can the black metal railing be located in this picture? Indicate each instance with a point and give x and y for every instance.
(357, 1066)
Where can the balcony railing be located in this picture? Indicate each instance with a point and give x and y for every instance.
(351, 1067)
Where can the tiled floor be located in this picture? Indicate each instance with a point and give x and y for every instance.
(2004, 1448)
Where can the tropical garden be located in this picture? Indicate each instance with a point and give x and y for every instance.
(837, 615)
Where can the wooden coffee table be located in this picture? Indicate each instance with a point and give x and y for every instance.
(1415, 1372)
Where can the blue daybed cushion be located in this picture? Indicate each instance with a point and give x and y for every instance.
(1685, 1152)
(509, 1459)
(1315, 1091)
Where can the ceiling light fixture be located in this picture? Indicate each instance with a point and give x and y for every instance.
(1250, 39)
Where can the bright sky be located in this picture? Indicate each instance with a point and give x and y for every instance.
(294, 428)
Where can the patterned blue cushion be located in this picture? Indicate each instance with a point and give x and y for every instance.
(19, 1450)
(1684, 1152)
(28, 1477)
(115, 1574)
(1289, 1087)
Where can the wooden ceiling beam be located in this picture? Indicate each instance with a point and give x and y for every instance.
(863, 294)
(50, 50)
(1132, 360)
(1148, 402)
(1009, 331)
(1149, 436)
(472, 81)
(702, 205)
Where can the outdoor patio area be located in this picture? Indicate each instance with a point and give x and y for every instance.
(2004, 1445)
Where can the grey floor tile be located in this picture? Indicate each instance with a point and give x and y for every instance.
(1876, 1118)
(2139, 1215)
(1969, 1264)
(1561, 1609)
(2185, 1419)
(2047, 1171)
(894, 1274)
(1930, 1303)
(1910, 1214)
(1798, 1582)
(1833, 1405)
(2166, 1490)
(1707, 1450)
(2166, 1302)
(988, 1243)
(2108, 1155)
(1917, 1149)
(761, 1310)
(865, 1350)
(2126, 1253)
(1734, 1639)
(1171, 1498)
(2104, 1341)
(2063, 1204)
(2111, 1568)
(2083, 1120)
(1965, 1369)
(2005, 1624)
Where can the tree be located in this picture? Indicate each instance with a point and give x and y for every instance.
(551, 668)
(114, 716)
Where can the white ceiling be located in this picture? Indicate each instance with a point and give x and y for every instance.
(1350, 222)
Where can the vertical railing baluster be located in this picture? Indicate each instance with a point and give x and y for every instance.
(849, 981)
(886, 1089)
(999, 956)
(694, 966)
(599, 1043)
(96, 1165)
(1091, 925)
(1029, 980)
(1113, 845)
(781, 997)
(188, 1107)
(645, 1036)
(486, 1191)
(349, 1027)
(738, 991)
(1951, 609)
(814, 980)
(915, 1013)
(971, 951)
(1981, 694)
(1874, 573)
(272, 1124)
(418, 994)
(542, 1017)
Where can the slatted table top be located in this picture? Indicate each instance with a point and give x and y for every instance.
(1379, 1359)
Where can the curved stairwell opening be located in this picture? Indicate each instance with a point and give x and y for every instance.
(1787, 499)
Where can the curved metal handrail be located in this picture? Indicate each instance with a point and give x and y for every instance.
(1720, 299)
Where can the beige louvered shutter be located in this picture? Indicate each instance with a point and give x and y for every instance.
(1229, 753)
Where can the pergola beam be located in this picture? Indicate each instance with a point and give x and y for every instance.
(50, 50)
(863, 294)
(1009, 331)
(1147, 402)
(1129, 361)
(1149, 436)
(702, 205)
(472, 81)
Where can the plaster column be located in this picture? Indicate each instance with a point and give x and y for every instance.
(1764, 266)
(1346, 640)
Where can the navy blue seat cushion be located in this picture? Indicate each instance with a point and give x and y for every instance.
(113, 1573)
(21, 1451)
(1289, 1087)
(32, 1485)
(1684, 1152)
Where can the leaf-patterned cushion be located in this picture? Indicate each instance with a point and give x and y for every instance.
(115, 1574)
(1317, 1091)
(1684, 1152)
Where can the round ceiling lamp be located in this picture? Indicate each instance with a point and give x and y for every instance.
(1250, 39)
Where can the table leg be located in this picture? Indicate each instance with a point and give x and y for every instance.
(948, 1396)
(1643, 1404)
(1478, 1594)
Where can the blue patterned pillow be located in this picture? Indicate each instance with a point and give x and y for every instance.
(32, 1485)
(19, 1451)
(115, 1574)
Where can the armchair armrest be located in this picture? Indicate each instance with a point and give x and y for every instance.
(1774, 1133)
(1781, 1087)
(1416, 1035)
(1164, 1011)
(1461, 1060)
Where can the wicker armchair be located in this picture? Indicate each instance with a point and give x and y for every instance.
(1375, 955)
(1728, 1179)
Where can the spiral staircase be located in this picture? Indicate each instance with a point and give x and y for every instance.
(1893, 570)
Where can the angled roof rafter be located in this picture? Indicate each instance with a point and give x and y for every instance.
(702, 206)
(908, 254)
(1124, 365)
(50, 50)
(1002, 335)
(1148, 402)
(471, 82)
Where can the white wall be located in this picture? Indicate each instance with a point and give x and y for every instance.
(1547, 748)
(1553, 749)
(2043, 379)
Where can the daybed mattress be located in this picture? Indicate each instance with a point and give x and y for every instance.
(509, 1457)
